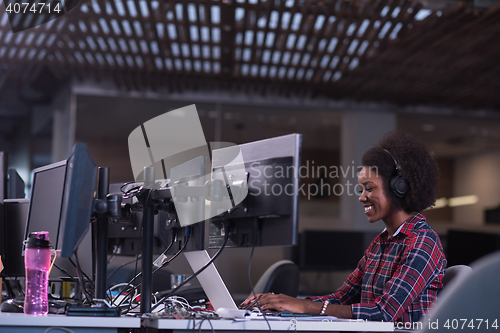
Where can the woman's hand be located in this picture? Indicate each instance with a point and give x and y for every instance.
(282, 302)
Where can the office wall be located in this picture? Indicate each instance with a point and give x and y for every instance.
(443, 216)
(476, 174)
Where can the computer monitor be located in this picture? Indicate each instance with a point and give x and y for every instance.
(3, 175)
(492, 215)
(44, 214)
(77, 204)
(344, 248)
(12, 229)
(272, 170)
(464, 247)
(15, 185)
(47, 191)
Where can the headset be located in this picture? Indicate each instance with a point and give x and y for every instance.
(398, 185)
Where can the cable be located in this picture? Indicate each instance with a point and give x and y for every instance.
(226, 237)
(10, 291)
(255, 233)
(123, 265)
(21, 289)
(82, 281)
(139, 274)
(174, 236)
(139, 248)
(173, 257)
(66, 272)
(64, 329)
(201, 323)
(126, 285)
(84, 274)
(188, 233)
(166, 262)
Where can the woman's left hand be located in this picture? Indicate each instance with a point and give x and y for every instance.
(282, 302)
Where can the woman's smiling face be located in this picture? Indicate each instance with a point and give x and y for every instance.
(375, 203)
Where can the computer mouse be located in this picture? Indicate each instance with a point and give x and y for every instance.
(11, 305)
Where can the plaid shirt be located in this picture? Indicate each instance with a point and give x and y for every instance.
(398, 278)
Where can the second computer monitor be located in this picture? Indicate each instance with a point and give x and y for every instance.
(269, 212)
(77, 203)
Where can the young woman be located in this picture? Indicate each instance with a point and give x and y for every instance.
(401, 272)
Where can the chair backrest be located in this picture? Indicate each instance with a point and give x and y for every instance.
(283, 277)
(453, 272)
(469, 300)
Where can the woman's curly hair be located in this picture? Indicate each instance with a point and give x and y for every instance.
(418, 167)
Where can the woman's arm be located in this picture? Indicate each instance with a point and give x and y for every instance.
(422, 262)
(281, 302)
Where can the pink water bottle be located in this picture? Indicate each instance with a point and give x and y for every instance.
(37, 264)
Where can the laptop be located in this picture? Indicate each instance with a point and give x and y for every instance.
(213, 285)
(217, 292)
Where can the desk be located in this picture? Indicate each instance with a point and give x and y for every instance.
(21, 323)
(305, 324)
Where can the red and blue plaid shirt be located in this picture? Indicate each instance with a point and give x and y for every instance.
(398, 277)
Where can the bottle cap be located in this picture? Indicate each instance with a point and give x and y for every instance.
(38, 240)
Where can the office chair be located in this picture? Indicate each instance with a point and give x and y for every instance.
(453, 272)
(283, 277)
(471, 298)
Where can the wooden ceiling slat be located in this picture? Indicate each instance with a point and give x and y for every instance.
(118, 19)
(375, 34)
(311, 20)
(187, 32)
(334, 34)
(163, 44)
(255, 12)
(198, 5)
(290, 87)
(241, 27)
(317, 54)
(227, 43)
(146, 37)
(180, 33)
(279, 38)
(276, 33)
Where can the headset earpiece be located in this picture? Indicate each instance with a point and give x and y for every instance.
(397, 184)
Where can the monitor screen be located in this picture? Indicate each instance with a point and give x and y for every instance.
(44, 214)
(268, 173)
(15, 185)
(15, 212)
(3, 175)
(342, 249)
(77, 203)
(464, 247)
(47, 190)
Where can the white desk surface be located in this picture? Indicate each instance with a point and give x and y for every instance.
(277, 324)
(24, 320)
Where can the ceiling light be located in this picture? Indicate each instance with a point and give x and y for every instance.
(462, 201)
(440, 203)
